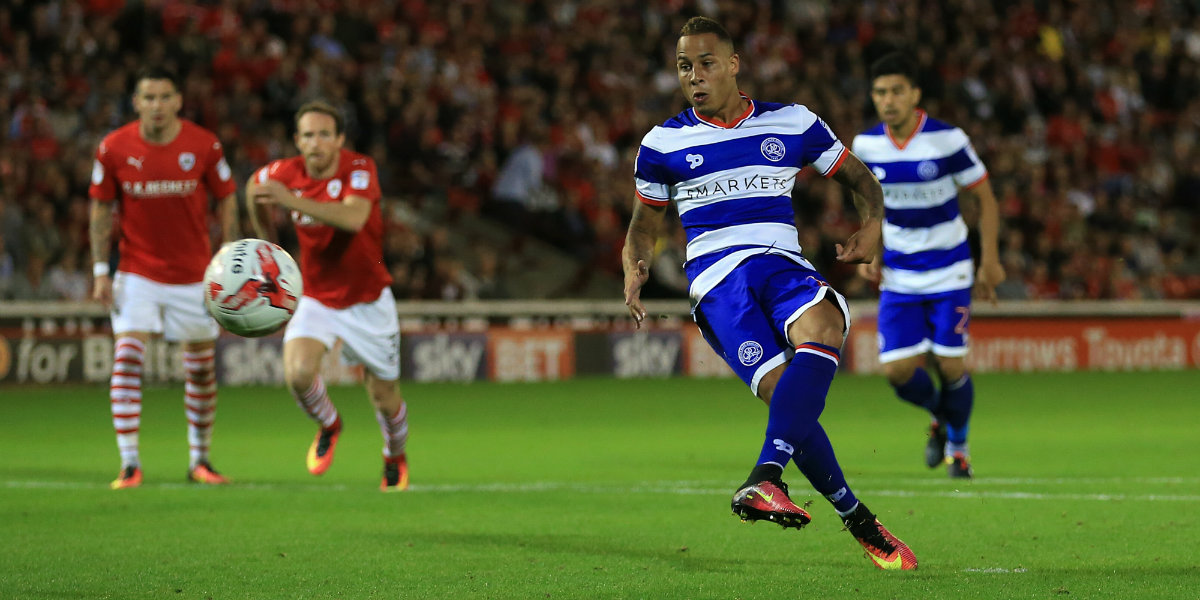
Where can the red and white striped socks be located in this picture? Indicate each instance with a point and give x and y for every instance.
(315, 402)
(125, 393)
(394, 430)
(200, 401)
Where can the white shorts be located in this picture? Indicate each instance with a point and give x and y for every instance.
(370, 331)
(174, 310)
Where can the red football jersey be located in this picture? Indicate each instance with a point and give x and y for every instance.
(162, 192)
(340, 268)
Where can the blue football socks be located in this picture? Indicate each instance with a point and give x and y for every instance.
(919, 390)
(793, 432)
(958, 398)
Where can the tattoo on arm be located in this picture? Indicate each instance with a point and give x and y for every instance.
(100, 230)
(868, 195)
(643, 233)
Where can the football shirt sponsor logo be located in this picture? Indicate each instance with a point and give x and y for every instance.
(135, 162)
(159, 188)
(749, 353)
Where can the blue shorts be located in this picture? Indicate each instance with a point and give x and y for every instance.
(910, 324)
(746, 316)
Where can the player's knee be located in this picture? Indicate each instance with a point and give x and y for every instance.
(823, 324)
(300, 374)
(899, 372)
(951, 369)
(384, 394)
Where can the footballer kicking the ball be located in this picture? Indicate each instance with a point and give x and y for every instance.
(333, 197)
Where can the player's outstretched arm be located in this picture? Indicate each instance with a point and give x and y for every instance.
(638, 254)
(863, 245)
(100, 224)
(991, 272)
(350, 214)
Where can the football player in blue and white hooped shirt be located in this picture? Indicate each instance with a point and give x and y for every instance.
(925, 271)
(729, 164)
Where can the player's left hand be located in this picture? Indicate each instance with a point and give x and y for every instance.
(634, 280)
(862, 245)
(990, 274)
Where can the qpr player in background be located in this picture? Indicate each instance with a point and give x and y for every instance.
(729, 164)
(925, 270)
(157, 174)
(334, 198)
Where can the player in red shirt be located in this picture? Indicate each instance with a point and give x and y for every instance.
(157, 173)
(333, 195)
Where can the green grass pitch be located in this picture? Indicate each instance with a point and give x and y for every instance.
(1088, 486)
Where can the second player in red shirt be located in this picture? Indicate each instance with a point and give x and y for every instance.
(334, 199)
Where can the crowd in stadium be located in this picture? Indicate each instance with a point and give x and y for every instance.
(529, 113)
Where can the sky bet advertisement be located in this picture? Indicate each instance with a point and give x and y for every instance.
(79, 349)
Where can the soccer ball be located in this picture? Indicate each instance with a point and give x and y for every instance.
(251, 287)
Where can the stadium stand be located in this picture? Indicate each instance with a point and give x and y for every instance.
(505, 131)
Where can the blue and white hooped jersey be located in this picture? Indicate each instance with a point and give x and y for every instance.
(925, 249)
(732, 182)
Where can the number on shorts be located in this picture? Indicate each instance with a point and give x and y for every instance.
(965, 311)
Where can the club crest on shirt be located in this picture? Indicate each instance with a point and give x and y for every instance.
(880, 174)
(334, 188)
(927, 170)
(750, 353)
(187, 160)
(695, 160)
(773, 149)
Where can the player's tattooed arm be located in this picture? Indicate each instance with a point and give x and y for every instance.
(638, 253)
(863, 245)
(100, 226)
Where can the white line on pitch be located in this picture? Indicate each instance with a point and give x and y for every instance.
(660, 487)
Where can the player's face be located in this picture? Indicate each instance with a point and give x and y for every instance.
(707, 70)
(157, 103)
(318, 141)
(895, 99)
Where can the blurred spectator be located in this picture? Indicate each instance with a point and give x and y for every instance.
(67, 280)
(31, 282)
(490, 278)
(8, 270)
